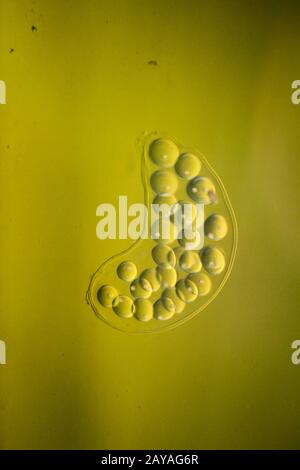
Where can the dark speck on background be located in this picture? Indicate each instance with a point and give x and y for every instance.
(153, 62)
(33, 28)
(11, 50)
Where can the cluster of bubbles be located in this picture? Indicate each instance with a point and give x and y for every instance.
(180, 275)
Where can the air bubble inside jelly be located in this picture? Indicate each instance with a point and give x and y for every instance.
(159, 283)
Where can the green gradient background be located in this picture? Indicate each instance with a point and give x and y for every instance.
(79, 91)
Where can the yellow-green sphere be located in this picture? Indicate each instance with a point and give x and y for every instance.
(186, 290)
(188, 166)
(163, 254)
(163, 152)
(202, 281)
(106, 295)
(123, 306)
(215, 227)
(164, 182)
(171, 301)
(127, 271)
(213, 260)
(140, 288)
(151, 276)
(190, 262)
(202, 190)
(143, 310)
(160, 312)
(167, 275)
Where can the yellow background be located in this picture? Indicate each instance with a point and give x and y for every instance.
(79, 92)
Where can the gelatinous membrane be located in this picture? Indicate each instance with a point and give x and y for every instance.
(159, 284)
